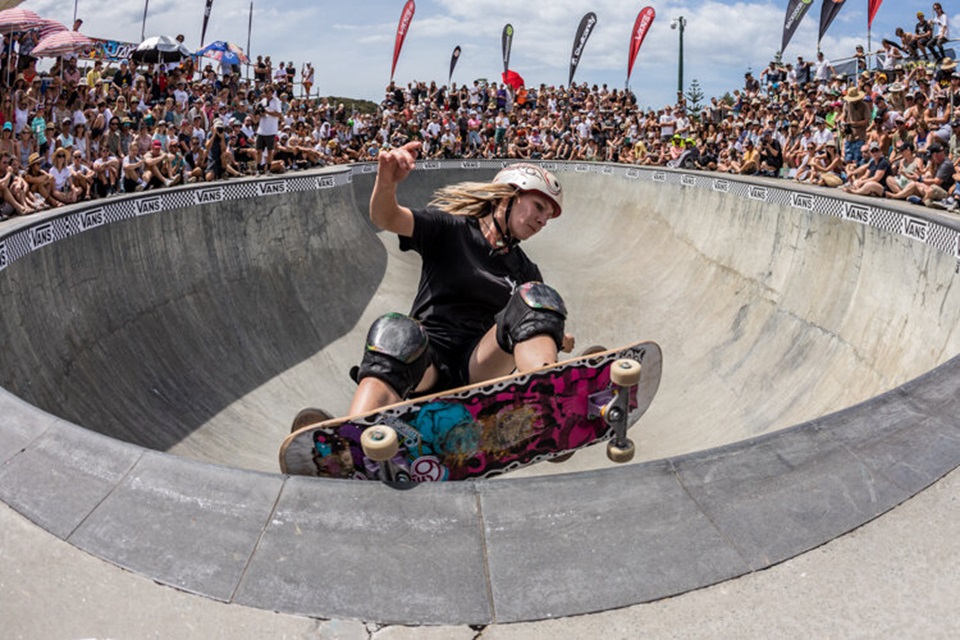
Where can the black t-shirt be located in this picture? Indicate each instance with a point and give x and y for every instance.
(945, 172)
(462, 285)
(883, 164)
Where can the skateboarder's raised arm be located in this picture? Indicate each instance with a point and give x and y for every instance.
(392, 168)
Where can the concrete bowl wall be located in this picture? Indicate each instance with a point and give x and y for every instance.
(245, 294)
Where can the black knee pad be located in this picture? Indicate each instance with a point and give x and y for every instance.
(396, 352)
(534, 309)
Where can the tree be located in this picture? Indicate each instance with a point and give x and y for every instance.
(694, 95)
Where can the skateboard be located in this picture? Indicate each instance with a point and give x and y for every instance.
(485, 429)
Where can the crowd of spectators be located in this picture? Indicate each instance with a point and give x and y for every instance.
(881, 124)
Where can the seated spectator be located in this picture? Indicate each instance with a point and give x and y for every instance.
(933, 184)
(908, 166)
(64, 190)
(82, 175)
(12, 188)
(39, 182)
(870, 179)
(156, 167)
(133, 170)
(827, 168)
(106, 170)
(750, 164)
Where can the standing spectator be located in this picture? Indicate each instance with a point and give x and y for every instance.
(941, 25)
(804, 71)
(856, 119)
(38, 125)
(269, 126)
(924, 32)
(823, 70)
(123, 78)
(306, 78)
(280, 77)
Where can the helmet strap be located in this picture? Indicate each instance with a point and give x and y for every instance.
(508, 241)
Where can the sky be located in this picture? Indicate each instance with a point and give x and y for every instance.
(350, 44)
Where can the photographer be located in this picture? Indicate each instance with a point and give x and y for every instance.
(771, 155)
(269, 111)
(216, 150)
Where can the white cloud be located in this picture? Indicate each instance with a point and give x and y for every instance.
(351, 43)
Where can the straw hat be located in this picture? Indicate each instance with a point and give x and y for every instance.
(948, 64)
(33, 159)
(853, 95)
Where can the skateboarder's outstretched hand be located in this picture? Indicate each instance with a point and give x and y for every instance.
(395, 165)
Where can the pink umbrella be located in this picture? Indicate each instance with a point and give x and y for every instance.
(18, 20)
(61, 43)
(48, 27)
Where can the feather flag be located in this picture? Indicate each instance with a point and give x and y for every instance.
(406, 17)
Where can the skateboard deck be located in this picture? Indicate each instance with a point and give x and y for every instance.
(481, 430)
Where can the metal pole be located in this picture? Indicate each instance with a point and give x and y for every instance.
(143, 29)
(683, 23)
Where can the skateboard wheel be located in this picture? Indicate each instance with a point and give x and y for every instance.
(621, 454)
(625, 372)
(379, 443)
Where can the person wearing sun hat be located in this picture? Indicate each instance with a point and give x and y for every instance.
(38, 181)
(854, 119)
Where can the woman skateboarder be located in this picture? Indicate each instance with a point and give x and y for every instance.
(481, 308)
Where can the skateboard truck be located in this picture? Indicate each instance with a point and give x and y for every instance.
(624, 373)
(380, 444)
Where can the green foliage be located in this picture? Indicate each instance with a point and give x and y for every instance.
(694, 96)
(361, 106)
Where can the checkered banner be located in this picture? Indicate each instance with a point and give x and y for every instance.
(918, 227)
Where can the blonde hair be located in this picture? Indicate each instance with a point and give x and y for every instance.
(471, 199)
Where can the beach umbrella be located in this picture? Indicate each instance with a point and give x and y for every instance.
(48, 27)
(19, 20)
(226, 52)
(61, 43)
(160, 49)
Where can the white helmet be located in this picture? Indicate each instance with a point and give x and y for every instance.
(530, 177)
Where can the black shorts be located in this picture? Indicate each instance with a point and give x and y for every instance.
(214, 167)
(452, 364)
(265, 142)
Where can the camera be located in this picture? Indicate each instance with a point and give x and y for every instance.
(259, 109)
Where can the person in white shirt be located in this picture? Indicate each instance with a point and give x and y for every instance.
(269, 126)
(823, 70)
(941, 25)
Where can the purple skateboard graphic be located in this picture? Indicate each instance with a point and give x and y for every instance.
(481, 430)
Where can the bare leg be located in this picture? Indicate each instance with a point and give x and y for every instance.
(490, 361)
(373, 393)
